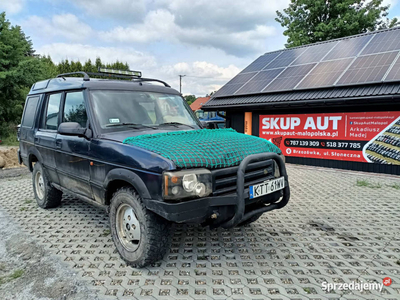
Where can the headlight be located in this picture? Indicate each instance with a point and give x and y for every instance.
(194, 183)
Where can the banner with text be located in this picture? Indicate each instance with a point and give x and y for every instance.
(365, 137)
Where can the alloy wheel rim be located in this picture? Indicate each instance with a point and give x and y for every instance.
(128, 227)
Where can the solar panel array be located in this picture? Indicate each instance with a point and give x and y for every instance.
(370, 58)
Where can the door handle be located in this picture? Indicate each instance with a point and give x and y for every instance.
(58, 143)
(36, 139)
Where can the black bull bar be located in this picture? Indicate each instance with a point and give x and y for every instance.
(240, 216)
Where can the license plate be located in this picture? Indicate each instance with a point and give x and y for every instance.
(267, 187)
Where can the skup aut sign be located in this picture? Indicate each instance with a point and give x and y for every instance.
(363, 137)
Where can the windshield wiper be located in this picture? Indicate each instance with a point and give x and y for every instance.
(129, 124)
(175, 124)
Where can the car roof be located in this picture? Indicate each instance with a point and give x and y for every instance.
(74, 83)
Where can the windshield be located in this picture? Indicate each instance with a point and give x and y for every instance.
(127, 109)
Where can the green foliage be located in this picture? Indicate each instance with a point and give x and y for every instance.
(20, 68)
(311, 21)
(65, 66)
(190, 99)
(11, 139)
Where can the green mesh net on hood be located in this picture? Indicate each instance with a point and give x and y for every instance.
(208, 148)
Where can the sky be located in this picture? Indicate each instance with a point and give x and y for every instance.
(208, 41)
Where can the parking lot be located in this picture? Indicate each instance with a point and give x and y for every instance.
(338, 227)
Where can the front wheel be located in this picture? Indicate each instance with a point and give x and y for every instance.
(140, 236)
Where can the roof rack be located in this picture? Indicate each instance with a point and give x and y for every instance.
(85, 75)
(134, 78)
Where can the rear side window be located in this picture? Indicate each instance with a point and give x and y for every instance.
(74, 109)
(30, 110)
(52, 112)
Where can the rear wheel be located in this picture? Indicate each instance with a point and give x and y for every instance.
(46, 195)
(140, 236)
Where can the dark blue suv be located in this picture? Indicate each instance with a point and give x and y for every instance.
(72, 140)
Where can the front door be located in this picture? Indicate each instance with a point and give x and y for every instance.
(45, 136)
(72, 155)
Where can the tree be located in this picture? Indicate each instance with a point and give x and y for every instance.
(19, 69)
(190, 99)
(310, 21)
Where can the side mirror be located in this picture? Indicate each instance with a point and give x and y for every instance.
(204, 124)
(74, 129)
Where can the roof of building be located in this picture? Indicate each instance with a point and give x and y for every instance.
(199, 102)
(352, 67)
(350, 95)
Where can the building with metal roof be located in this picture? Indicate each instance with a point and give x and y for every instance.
(334, 103)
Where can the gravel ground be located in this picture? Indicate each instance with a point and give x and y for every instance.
(339, 227)
(14, 173)
(28, 271)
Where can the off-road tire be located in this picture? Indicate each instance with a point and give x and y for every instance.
(251, 220)
(52, 196)
(155, 231)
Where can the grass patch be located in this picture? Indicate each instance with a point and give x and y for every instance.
(16, 274)
(365, 183)
(27, 201)
(395, 186)
(23, 208)
(106, 232)
(11, 140)
(362, 183)
(307, 290)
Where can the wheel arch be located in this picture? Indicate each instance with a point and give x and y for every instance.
(33, 156)
(118, 178)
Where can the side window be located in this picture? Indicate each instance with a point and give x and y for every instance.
(74, 109)
(52, 112)
(30, 110)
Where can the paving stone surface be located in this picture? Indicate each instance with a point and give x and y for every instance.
(338, 227)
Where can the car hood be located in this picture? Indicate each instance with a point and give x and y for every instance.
(120, 136)
(208, 148)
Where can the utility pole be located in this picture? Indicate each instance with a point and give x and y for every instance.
(180, 83)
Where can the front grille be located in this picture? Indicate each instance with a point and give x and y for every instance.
(224, 180)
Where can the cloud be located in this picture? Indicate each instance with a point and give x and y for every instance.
(65, 25)
(161, 25)
(392, 3)
(237, 16)
(11, 6)
(202, 77)
(156, 26)
(239, 28)
(132, 11)
(81, 52)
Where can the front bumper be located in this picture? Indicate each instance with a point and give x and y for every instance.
(229, 210)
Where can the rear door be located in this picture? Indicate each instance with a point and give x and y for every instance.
(45, 137)
(28, 125)
(72, 155)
